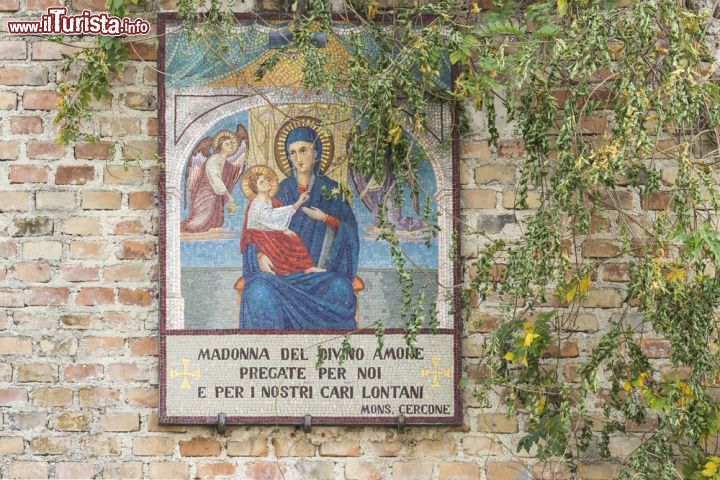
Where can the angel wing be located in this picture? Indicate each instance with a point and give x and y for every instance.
(193, 169)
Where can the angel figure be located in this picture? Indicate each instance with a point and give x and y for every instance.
(211, 176)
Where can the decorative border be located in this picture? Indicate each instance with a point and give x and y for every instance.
(162, 20)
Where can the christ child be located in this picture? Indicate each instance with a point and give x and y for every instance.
(266, 225)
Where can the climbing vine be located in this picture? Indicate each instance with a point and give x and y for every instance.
(618, 106)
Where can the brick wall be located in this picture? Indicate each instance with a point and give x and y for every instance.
(79, 311)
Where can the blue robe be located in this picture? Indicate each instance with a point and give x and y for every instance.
(299, 301)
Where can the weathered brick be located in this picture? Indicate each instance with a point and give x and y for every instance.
(567, 349)
(124, 273)
(9, 151)
(213, 470)
(52, 397)
(48, 249)
(47, 296)
(97, 445)
(145, 346)
(600, 248)
(152, 446)
(10, 397)
(28, 174)
(95, 296)
(41, 150)
(141, 200)
(507, 471)
(250, 447)
(25, 227)
(511, 148)
(435, 448)
(134, 250)
(75, 470)
(37, 372)
(127, 372)
(15, 346)
(82, 371)
(481, 446)
(73, 421)
(80, 321)
(263, 471)
(471, 149)
(123, 174)
(360, 470)
(31, 321)
(86, 249)
(152, 127)
(497, 423)
(459, 471)
(128, 227)
(293, 448)
(104, 345)
(199, 447)
(10, 445)
(12, 298)
(40, 100)
(165, 470)
(340, 448)
(603, 298)
(41, 4)
(26, 125)
(659, 200)
(119, 126)
(101, 200)
(8, 101)
(96, 397)
(79, 273)
(478, 198)
(413, 470)
(135, 296)
(55, 200)
(74, 175)
(496, 173)
(13, 50)
(138, 101)
(23, 75)
(92, 151)
(23, 469)
(120, 422)
(81, 226)
(46, 50)
(655, 348)
(8, 249)
(616, 272)
(126, 470)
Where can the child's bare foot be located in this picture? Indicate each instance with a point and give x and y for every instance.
(314, 270)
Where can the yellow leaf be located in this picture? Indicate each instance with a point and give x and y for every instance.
(509, 356)
(530, 338)
(710, 469)
(562, 7)
(372, 10)
(395, 134)
(675, 274)
(626, 386)
(585, 283)
(474, 8)
(540, 406)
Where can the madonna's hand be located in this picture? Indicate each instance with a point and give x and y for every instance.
(314, 213)
(265, 264)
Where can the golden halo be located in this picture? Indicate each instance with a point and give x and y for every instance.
(326, 140)
(222, 135)
(265, 170)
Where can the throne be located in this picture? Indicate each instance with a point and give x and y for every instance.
(358, 286)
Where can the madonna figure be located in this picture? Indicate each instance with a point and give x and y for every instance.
(328, 230)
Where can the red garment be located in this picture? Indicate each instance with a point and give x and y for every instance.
(286, 252)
